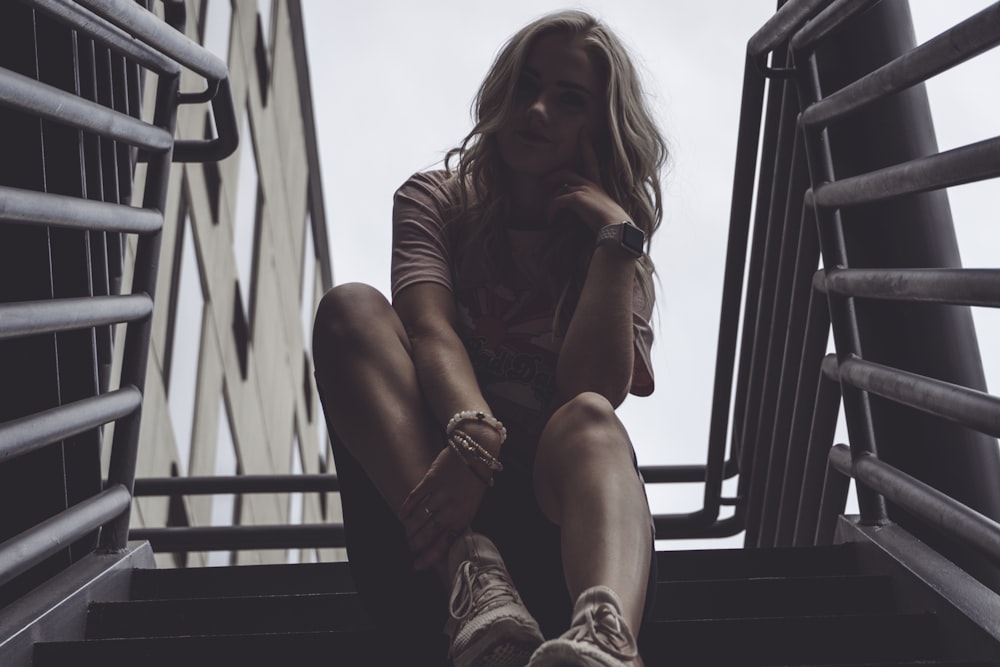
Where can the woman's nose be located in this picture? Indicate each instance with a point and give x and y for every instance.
(539, 107)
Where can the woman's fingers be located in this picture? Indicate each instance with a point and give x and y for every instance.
(412, 501)
(439, 507)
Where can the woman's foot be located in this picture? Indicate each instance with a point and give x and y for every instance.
(489, 625)
(599, 636)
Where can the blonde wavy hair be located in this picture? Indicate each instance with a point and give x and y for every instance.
(631, 153)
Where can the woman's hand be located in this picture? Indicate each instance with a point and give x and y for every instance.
(582, 192)
(440, 508)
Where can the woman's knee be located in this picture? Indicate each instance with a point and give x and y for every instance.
(582, 441)
(583, 430)
(582, 417)
(347, 316)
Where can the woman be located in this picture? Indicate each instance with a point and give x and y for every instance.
(480, 404)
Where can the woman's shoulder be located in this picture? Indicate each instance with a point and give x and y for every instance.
(439, 185)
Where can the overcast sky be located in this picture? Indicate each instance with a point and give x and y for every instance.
(393, 81)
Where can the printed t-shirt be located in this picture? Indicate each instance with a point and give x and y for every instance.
(505, 319)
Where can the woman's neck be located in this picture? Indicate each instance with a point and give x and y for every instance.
(528, 205)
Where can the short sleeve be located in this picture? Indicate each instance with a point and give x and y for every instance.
(642, 371)
(420, 248)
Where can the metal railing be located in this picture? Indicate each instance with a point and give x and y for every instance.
(777, 392)
(136, 38)
(813, 131)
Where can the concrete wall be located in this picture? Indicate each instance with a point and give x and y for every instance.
(275, 404)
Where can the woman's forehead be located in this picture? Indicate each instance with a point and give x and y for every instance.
(562, 57)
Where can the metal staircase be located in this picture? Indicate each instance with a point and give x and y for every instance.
(781, 606)
(839, 224)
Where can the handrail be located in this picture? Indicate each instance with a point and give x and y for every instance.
(146, 27)
(827, 22)
(956, 403)
(779, 28)
(967, 164)
(30, 318)
(218, 484)
(941, 53)
(27, 434)
(937, 509)
(140, 40)
(20, 553)
(78, 18)
(965, 287)
(34, 97)
(849, 289)
(46, 208)
(236, 538)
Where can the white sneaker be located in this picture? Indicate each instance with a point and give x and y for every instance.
(599, 636)
(489, 625)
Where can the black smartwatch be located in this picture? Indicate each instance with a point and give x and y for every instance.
(625, 235)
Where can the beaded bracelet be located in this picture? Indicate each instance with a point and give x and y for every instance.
(487, 481)
(480, 416)
(473, 448)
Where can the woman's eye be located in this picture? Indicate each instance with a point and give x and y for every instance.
(525, 86)
(573, 100)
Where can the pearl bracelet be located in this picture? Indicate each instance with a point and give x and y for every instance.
(479, 416)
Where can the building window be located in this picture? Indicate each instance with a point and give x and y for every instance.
(307, 303)
(296, 511)
(184, 329)
(246, 220)
(262, 52)
(307, 291)
(216, 26)
(225, 507)
(213, 177)
(265, 15)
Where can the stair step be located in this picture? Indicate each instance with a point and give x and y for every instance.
(222, 616)
(350, 649)
(773, 596)
(331, 649)
(907, 663)
(809, 640)
(242, 580)
(754, 563)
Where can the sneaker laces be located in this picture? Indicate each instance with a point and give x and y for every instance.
(480, 587)
(602, 625)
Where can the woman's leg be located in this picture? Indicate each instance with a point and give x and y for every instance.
(370, 390)
(586, 483)
(373, 405)
(365, 380)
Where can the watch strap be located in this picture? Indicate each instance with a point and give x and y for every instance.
(625, 234)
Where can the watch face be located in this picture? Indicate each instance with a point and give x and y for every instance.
(633, 238)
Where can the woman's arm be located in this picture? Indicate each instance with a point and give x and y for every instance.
(448, 385)
(598, 351)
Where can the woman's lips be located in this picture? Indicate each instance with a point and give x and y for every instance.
(531, 137)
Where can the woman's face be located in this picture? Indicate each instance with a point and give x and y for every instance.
(558, 97)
